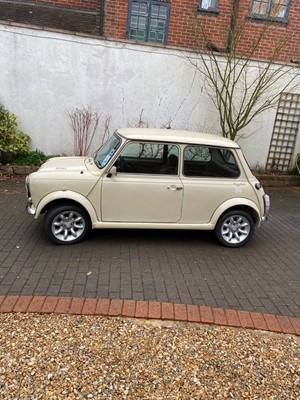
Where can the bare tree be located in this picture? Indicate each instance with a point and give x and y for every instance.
(106, 135)
(240, 87)
(84, 124)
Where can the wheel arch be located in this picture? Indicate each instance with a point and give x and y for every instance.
(247, 209)
(245, 205)
(61, 199)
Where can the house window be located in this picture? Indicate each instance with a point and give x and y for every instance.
(148, 21)
(208, 5)
(270, 9)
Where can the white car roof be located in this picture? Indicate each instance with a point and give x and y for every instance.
(175, 136)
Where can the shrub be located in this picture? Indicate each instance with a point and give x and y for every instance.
(35, 158)
(12, 140)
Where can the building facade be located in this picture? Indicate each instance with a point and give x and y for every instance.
(168, 22)
(127, 61)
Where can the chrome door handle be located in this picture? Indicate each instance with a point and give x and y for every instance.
(174, 187)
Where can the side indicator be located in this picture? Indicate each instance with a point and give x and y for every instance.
(258, 186)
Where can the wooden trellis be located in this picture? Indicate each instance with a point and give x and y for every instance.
(284, 133)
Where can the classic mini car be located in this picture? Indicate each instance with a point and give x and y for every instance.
(150, 178)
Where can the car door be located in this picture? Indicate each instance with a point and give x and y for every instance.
(146, 188)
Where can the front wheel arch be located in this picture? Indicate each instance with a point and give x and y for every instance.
(61, 202)
(66, 197)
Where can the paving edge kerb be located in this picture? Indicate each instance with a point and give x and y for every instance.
(150, 310)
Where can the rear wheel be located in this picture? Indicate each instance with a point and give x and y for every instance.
(235, 228)
(67, 224)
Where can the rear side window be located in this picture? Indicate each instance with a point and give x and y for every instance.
(209, 162)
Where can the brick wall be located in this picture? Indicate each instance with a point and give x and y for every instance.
(78, 4)
(183, 19)
(276, 32)
(58, 14)
(115, 18)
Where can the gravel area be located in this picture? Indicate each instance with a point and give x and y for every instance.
(91, 357)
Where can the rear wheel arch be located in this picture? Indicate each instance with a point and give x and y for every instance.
(242, 204)
(249, 210)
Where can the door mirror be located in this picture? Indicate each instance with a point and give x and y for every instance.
(112, 172)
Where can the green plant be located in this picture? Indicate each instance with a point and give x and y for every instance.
(12, 140)
(35, 158)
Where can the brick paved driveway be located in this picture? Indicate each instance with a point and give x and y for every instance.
(180, 266)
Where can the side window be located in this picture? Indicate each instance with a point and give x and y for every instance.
(228, 156)
(209, 162)
(149, 158)
(197, 153)
(148, 21)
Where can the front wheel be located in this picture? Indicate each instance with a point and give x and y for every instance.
(67, 224)
(235, 228)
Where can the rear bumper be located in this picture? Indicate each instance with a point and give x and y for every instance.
(266, 207)
(29, 207)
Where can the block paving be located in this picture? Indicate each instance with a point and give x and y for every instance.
(178, 275)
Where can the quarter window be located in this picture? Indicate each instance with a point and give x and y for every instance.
(149, 158)
(148, 21)
(270, 9)
(208, 5)
(209, 162)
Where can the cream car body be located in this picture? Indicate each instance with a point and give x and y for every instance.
(130, 183)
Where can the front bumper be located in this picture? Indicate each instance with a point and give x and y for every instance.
(29, 207)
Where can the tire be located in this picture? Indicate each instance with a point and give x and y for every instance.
(67, 224)
(235, 228)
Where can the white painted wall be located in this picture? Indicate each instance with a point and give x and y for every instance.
(42, 74)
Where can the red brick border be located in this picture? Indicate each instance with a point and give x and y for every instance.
(150, 310)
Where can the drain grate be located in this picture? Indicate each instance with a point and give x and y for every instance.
(284, 133)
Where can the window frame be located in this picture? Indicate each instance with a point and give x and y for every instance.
(209, 9)
(150, 3)
(210, 176)
(268, 16)
(164, 157)
(108, 154)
